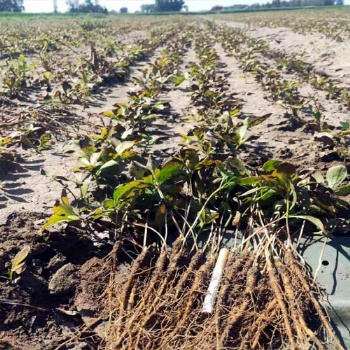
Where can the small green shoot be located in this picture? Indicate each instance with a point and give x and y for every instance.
(62, 212)
(18, 264)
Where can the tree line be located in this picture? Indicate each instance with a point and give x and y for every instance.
(89, 6)
(299, 3)
(281, 3)
(11, 5)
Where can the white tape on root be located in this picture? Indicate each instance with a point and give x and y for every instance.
(214, 284)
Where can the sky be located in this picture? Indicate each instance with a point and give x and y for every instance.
(134, 5)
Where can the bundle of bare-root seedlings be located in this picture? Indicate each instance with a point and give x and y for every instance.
(266, 300)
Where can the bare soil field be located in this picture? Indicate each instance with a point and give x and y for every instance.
(132, 151)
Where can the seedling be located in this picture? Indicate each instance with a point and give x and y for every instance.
(18, 264)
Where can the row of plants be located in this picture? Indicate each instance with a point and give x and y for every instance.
(88, 71)
(203, 194)
(201, 186)
(333, 23)
(256, 57)
(87, 75)
(114, 159)
(294, 64)
(248, 51)
(36, 37)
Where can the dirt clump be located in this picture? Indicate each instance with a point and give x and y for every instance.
(40, 309)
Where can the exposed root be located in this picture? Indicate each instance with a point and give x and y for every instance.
(260, 324)
(193, 294)
(275, 285)
(125, 299)
(304, 279)
(256, 308)
(235, 315)
(303, 331)
(193, 266)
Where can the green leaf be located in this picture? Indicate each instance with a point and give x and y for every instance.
(98, 213)
(18, 262)
(238, 165)
(251, 191)
(343, 191)
(242, 134)
(123, 146)
(94, 158)
(168, 170)
(150, 116)
(44, 140)
(336, 175)
(257, 121)
(318, 177)
(179, 79)
(108, 204)
(109, 114)
(345, 126)
(269, 193)
(125, 190)
(85, 162)
(318, 116)
(253, 180)
(108, 164)
(62, 212)
(271, 165)
(317, 222)
(84, 188)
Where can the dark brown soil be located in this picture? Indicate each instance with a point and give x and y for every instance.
(33, 314)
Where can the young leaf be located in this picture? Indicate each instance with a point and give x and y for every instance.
(18, 262)
(94, 158)
(317, 222)
(343, 191)
(168, 170)
(317, 175)
(124, 146)
(62, 212)
(44, 140)
(271, 164)
(109, 114)
(336, 175)
(178, 79)
(252, 180)
(257, 121)
(127, 189)
(108, 164)
(84, 188)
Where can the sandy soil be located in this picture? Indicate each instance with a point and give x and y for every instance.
(325, 54)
